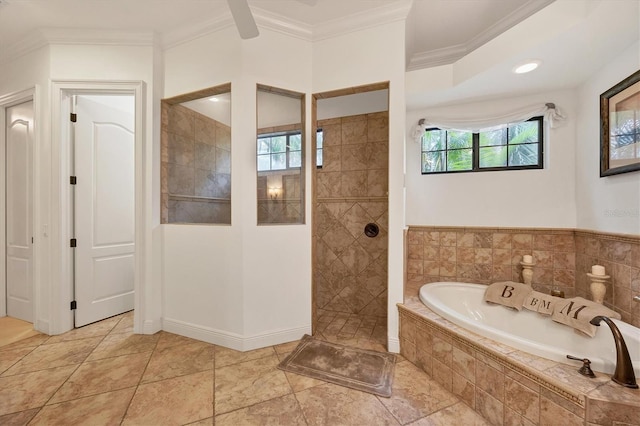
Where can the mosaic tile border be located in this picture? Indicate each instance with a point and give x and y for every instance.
(624, 238)
(511, 230)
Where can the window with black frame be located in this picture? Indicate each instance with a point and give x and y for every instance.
(319, 143)
(517, 146)
(279, 151)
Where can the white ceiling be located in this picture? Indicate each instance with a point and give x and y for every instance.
(474, 43)
(433, 25)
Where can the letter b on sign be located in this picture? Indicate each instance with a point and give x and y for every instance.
(508, 291)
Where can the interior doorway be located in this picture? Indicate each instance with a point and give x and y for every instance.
(350, 213)
(103, 198)
(18, 212)
(62, 227)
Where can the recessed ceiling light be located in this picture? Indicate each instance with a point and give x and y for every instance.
(526, 67)
(214, 99)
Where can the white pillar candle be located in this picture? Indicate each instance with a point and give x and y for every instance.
(597, 270)
(527, 258)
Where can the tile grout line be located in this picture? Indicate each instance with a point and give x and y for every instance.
(304, 415)
(124, 416)
(389, 411)
(293, 392)
(70, 375)
(21, 358)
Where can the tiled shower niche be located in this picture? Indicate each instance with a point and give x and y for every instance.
(196, 158)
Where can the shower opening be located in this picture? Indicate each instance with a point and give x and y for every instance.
(350, 202)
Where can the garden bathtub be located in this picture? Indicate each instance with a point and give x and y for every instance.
(463, 304)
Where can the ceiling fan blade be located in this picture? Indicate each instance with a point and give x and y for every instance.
(244, 18)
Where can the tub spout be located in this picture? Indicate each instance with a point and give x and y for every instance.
(623, 374)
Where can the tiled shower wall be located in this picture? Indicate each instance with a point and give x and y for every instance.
(288, 208)
(350, 269)
(562, 258)
(196, 167)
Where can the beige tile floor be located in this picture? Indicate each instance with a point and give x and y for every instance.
(103, 374)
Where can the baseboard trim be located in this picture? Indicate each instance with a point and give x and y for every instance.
(42, 326)
(394, 344)
(151, 326)
(275, 337)
(233, 340)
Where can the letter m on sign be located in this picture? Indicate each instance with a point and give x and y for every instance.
(569, 309)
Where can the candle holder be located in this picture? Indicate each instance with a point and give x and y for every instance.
(527, 272)
(598, 287)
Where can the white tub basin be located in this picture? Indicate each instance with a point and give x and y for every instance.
(463, 304)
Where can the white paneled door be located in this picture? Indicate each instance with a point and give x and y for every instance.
(19, 210)
(104, 207)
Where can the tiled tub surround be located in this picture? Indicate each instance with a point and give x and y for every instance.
(562, 258)
(620, 255)
(350, 269)
(196, 167)
(507, 386)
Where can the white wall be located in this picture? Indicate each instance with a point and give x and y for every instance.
(364, 57)
(277, 110)
(202, 265)
(26, 72)
(609, 204)
(248, 286)
(523, 198)
(360, 103)
(243, 285)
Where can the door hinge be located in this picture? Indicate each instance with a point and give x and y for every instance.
(72, 180)
(31, 240)
(73, 117)
(72, 243)
(74, 305)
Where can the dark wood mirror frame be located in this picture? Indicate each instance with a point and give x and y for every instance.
(608, 101)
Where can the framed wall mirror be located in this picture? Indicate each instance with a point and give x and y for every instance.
(196, 157)
(280, 156)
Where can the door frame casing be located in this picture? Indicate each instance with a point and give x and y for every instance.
(62, 289)
(6, 101)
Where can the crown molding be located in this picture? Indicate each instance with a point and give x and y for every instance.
(436, 57)
(26, 45)
(386, 14)
(100, 37)
(451, 54)
(282, 25)
(264, 19)
(48, 36)
(195, 30)
(504, 24)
